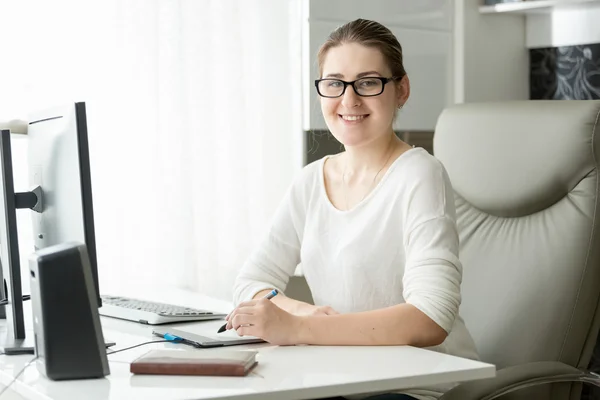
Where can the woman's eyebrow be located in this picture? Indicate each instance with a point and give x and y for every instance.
(368, 73)
(340, 76)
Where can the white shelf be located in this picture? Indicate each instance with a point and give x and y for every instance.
(535, 6)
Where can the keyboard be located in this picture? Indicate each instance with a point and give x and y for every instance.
(152, 313)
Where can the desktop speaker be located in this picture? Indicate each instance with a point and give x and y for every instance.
(69, 343)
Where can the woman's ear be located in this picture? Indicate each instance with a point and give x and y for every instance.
(402, 91)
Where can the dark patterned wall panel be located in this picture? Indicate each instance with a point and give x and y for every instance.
(318, 144)
(565, 73)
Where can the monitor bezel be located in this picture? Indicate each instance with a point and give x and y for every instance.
(12, 264)
(87, 204)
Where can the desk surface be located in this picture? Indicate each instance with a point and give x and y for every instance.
(288, 372)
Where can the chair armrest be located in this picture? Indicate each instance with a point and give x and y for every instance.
(518, 377)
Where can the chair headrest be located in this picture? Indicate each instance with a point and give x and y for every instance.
(518, 157)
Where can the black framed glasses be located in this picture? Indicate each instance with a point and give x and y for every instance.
(365, 87)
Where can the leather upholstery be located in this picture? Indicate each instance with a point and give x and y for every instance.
(525, 176)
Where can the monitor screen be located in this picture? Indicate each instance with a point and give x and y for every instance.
(59, 162)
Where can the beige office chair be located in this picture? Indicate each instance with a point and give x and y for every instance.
(527, 192)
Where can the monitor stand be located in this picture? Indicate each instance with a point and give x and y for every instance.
(8, 344)
(14, 347)
(11, 346)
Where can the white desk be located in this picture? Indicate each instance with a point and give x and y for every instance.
(290, 372)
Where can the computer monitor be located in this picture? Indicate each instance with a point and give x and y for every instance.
(61, 200)
(59, 162)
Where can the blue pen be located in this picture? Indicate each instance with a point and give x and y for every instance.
(269, 296)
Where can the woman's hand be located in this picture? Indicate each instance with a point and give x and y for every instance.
(265, 320)
(293, 306)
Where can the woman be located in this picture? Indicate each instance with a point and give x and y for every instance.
(374, 226)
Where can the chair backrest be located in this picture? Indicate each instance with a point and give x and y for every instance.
(525, 177)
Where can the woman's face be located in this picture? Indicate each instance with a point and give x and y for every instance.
(355, 120)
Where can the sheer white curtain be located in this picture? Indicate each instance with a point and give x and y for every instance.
(194, 123)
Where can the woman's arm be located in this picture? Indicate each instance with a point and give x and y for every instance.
(402, 324)
(431, 290)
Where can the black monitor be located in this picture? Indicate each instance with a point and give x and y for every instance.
(61, 200)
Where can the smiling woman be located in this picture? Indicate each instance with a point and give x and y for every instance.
(368, 99)
(373, 226)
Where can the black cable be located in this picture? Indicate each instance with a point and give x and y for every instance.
(112, 352)
(18, 375)
(138, 345)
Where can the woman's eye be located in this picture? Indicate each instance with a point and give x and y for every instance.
(334, 84)
(368, 83)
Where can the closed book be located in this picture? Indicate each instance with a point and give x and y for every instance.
(195, 362)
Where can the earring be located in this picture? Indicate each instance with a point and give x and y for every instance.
(400, 107)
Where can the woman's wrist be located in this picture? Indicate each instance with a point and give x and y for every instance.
(301, 308)
(293, 306)
(302, 329)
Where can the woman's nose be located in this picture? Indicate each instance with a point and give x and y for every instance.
(350, 98)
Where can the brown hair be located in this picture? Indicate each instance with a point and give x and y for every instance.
(369, 34)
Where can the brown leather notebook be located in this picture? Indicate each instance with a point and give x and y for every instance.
(195, 362)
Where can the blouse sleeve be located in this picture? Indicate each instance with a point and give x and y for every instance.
(275, 259)
(433, 272)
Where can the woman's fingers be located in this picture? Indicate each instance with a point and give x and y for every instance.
(248, 303)
(246, 330)
(246, 310)
(242, 320)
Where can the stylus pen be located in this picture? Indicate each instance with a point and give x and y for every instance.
(269, 296)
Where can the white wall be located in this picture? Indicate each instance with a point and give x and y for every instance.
(564, 27)
(491, 60)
